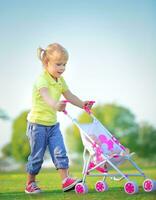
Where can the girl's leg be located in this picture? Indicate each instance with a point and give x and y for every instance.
(59, 157)
(63, 173)
(30, 178)
(38, 143)
(57, 150)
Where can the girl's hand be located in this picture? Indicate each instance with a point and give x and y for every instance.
(60, 106)
(87, 104)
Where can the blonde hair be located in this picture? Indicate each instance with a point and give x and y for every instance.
(53, 52)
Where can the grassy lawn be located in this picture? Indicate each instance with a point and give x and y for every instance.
(12, 187)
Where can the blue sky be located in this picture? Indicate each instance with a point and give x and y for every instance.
(112, 46)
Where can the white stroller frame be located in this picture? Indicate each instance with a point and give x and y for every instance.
(119, 175)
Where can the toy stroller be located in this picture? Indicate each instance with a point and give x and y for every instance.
(105, 153)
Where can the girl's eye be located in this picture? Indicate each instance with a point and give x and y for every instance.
(59, 64)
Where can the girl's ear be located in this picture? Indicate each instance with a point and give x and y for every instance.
(46, 62)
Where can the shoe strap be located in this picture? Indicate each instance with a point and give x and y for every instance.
(34, 186)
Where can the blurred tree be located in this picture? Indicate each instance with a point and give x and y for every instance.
(147, 141)
(7, 150)
(73, 140)
(117, 119)
(131, 140)
(4, 115)
(19, 141)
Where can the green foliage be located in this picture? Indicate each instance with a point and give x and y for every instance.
(147, 141)
(117, 119)
(130, 141)
(73, 139)
(19, 141)
(7, 150)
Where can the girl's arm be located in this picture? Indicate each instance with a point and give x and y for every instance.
(57, 105)
(74, 99)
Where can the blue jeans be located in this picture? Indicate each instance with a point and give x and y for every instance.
(40, 137)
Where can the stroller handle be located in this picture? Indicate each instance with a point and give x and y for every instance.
(85, 107)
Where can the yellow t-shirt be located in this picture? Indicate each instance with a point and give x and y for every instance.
(41, 112)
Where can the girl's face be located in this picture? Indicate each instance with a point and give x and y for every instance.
(56, 67)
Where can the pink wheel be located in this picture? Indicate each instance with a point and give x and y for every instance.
(101, 186)
(131, 187)
(81, 188)
(149, 185)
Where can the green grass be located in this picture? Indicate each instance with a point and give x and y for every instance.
(12, 187)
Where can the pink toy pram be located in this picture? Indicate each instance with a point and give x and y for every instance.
(105, 153)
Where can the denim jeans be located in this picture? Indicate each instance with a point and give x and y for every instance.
(40, 137)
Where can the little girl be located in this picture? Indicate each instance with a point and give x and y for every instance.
(43, 129)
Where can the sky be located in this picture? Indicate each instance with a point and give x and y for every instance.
(111, 45)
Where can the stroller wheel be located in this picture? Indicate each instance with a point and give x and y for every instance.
(81, 188)
(101, 186)
(149, 185)
(131, 187)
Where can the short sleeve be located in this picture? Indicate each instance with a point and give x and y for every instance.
(41, 82)
(64, 85)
